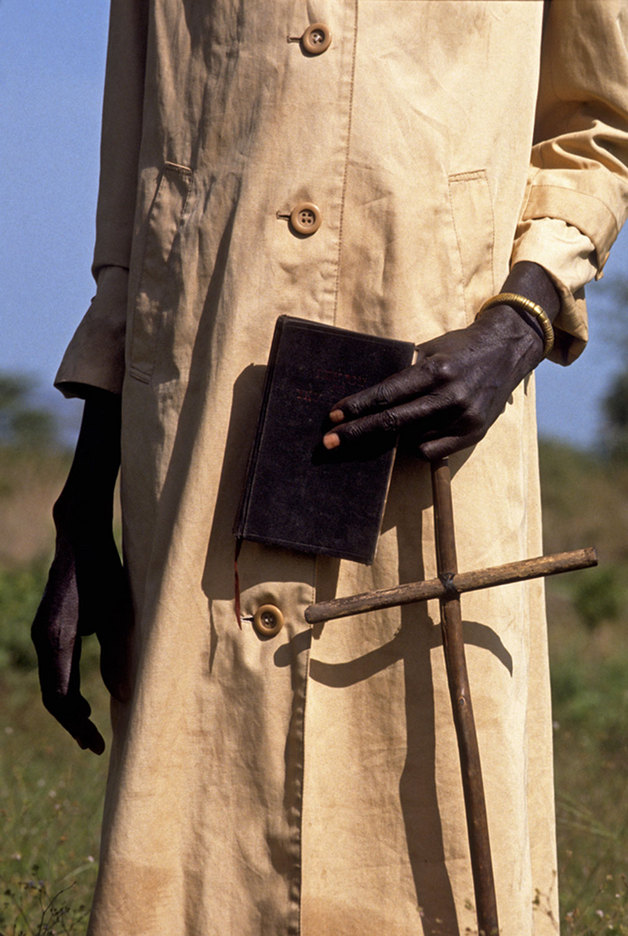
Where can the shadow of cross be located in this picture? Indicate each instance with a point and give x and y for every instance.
(448, 587)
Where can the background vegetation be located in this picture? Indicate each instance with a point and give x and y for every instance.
(51, 792)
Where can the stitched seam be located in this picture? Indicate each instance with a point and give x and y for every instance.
(185, 174)
(564, 188)
(306, 680)
(139, 375)
(532, 174)
(346, 166)
(177, 167)
(467, 176)
(493, 231)
(453, 218)
(464, 177)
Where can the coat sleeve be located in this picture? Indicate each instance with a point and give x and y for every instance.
(579, 163)
(95, 355)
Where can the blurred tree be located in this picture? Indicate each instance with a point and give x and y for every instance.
(600, 596)
(615, 411)
(614, 425)
(23, 425)
(12, 389)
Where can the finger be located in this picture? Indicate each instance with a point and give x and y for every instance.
(58, 659)
(398, 388)
(116, 659)
(72, 712)
(433, 449)
(386, 421)
(434, 413)
(100, 582)
(86, 734)
(114, 632)
(115, 668)
(89, 738)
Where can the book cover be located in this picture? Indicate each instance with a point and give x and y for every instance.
(297, 494)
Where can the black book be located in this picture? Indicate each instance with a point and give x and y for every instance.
(298, 494)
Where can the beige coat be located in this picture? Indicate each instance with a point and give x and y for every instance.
(309, 783)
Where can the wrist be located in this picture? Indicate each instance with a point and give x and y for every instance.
(83, 511)
(522, 314)
(535, 283)
(521, 343)
(530, 312)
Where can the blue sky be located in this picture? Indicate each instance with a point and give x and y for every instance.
(52, 58)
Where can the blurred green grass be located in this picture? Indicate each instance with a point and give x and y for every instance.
(51, 792)
(585, 503)
(50, 805)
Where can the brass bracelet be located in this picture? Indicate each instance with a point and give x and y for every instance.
(520, 302)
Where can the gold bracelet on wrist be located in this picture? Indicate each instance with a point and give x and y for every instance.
(532, 308)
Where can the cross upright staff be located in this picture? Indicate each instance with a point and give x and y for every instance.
(447, 588)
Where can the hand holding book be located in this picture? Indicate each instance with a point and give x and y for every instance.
(460, 382)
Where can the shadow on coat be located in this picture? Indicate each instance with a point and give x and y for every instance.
(413, 643)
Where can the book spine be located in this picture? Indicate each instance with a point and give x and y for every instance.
(239, 528)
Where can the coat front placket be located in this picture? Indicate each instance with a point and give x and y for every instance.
(204, 808)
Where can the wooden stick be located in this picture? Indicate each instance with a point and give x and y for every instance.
(462, 581)
(447, 588)
(453, 643)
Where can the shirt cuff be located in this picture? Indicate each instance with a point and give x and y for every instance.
(570, 258)
(95, 355)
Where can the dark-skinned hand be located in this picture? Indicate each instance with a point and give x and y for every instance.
(87, 590)
(461, 381)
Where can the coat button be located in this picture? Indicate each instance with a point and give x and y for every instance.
(268, 620)
(316, 39)
(305, 218)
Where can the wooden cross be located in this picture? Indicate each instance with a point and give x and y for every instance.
(447, 588)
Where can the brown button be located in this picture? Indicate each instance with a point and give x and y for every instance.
(305, 218)
(316, 39)
(268, 620)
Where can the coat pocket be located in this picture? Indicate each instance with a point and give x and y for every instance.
(472, 213)
(159, 280)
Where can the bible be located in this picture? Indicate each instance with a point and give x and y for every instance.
(297, 494)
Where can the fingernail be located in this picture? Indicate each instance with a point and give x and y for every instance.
(331, 441)
(336, 415)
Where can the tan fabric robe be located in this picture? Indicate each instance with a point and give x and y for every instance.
(310, 783)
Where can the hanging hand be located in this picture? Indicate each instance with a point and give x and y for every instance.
(87, 591)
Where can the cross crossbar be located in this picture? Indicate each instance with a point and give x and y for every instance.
(462, 582)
